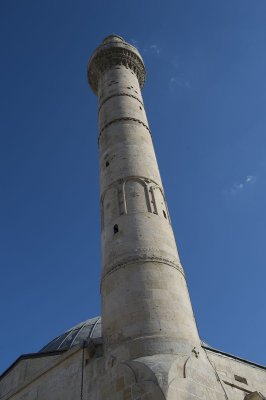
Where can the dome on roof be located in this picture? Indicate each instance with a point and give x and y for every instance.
(92, 328)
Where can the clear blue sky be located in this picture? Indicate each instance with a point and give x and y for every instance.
(205, 99)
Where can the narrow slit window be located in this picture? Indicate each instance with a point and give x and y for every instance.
(116, 229)
(140, 107)
(107, 164)
(164, 214)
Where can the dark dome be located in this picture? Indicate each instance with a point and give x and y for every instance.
(92, 328)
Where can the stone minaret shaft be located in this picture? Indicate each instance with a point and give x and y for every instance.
(145, 302)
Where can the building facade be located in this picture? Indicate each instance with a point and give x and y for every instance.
(146, 344)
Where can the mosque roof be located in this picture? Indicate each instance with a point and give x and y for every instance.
(76, 336)
(80, 335)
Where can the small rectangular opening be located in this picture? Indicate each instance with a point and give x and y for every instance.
(241, 379)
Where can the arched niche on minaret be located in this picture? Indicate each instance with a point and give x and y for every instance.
(136, 196)
(158, 202)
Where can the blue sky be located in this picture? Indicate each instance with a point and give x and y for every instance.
(205, 99)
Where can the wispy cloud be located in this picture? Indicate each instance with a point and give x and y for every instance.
(178, 77)
(152, 49)
(178, 81)
(250, 179)
(239, 187)
(135, 43)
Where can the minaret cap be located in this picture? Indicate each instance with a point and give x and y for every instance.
(113, 38)
(114, 51)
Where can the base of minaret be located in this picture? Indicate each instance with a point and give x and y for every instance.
(156, 377)
(144, 322)
(76, 366)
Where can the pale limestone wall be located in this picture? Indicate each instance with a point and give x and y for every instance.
(147, 318)
(157, 377)
(52, 377)
(231, 371)
(172, 377)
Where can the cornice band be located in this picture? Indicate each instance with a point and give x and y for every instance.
(143, 259)
(123, 119)
(106, 57)
(119, 94)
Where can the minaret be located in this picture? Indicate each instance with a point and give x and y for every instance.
(146, 307)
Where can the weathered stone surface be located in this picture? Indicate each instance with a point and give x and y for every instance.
(140, 262)
(255, 396)
(160, 376)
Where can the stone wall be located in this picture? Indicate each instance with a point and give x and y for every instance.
(204, 374)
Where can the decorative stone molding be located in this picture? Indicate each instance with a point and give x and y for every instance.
(119, 94)
(153, 199)
(142, 259)
(159, 206)
(111, 53)
(131, 177)
(123, 119)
